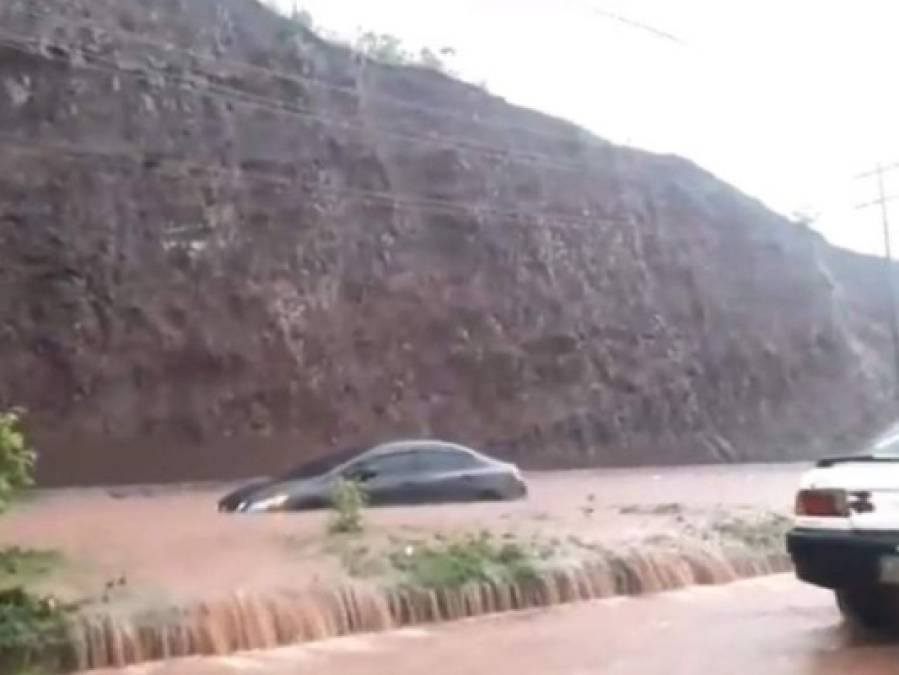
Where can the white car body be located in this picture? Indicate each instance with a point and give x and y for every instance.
(879, 478)
(846, 534)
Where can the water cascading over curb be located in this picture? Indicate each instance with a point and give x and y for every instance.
(243, 621)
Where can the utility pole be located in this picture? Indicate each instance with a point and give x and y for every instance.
(882, 200)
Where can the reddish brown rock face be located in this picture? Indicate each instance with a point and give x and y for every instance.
(207, 270)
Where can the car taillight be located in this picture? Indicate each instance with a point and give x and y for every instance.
(822, 503)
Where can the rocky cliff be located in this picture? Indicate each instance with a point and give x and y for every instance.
(226, 245)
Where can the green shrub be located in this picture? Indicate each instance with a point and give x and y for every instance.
(462, 561)
(348, 501)
(33, 630)
(16, 458)
(33, 633)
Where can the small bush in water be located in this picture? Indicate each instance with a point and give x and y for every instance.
(348, 500)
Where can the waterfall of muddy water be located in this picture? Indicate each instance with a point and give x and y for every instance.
(245, 622)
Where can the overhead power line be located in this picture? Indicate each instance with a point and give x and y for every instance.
(878, 201)
(194, 232)
(90, 61)
(881, 169)
(639, 25)
(176, 167)
(289, 76)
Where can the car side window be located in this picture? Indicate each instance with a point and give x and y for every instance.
(445, 460)
(389, 465)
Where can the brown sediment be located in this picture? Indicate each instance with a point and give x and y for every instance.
(246, 621)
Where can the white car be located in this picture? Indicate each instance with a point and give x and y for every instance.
(846, 536)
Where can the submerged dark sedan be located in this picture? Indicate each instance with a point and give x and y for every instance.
(402, 472)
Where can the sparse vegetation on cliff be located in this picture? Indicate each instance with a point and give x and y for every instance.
(383, 47)
(390, 49)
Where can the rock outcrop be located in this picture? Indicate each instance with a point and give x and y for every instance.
(226, 245)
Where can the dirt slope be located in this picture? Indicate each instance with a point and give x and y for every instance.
(209, 270)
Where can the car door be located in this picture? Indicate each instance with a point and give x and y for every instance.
(447, 475)
(386, 480)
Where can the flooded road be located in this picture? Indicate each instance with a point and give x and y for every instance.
(159, 572)
(771, 625)
(158, 537)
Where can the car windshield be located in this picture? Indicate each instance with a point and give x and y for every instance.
(322, 465)
(887, 443)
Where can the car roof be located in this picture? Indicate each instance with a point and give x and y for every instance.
(394, 447)
(335, 462)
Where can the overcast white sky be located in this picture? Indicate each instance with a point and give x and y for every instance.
(786, 99)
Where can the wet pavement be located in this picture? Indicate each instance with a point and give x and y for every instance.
(771, 625)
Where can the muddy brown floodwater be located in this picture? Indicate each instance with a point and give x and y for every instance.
(771, 625)
(164, 575)
(173, 541)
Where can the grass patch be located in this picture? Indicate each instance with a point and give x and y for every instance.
(24, 500)
(23, 568)
(448, 560)
(32, 628)
(764, 533)
(361, 560)
(358, 558)
(469, 559)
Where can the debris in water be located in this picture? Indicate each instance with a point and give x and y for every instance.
(665, 509)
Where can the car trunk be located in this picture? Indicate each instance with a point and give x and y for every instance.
(873, 492)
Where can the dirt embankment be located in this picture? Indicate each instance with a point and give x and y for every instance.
(219, 258)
